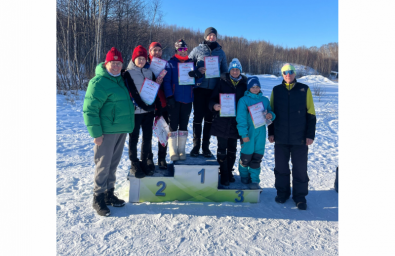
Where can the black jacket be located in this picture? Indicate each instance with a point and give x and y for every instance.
(226, 127)
(292, 124)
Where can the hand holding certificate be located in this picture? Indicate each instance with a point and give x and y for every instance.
(228, 104)
(183, 77)
(257, 114)
(157, 65)
(211, 64)
(148, 91)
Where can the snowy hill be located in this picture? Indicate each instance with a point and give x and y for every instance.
(192, 228)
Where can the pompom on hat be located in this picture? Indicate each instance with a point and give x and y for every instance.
(113, 55)
(235, 63)
(253, 81)
(180, 44)
(139, 51)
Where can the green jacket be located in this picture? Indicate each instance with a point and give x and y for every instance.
(107, 105)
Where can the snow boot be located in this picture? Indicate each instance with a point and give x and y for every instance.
(148, 166)
(231, 161)
(254, 185)
(136, 170)
(301, 206)
(113, 200)
(173, 146)
(196, 148)
(100, 206)
(245, 180)
(281, 200)
(162, 163)
(205, 149)
(223, 166)
(182, 140)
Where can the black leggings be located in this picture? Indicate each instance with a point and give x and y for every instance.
(179, 116)
(145, 121)
(200, 111)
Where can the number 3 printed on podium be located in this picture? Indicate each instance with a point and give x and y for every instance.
(240, 192)
(159, 192)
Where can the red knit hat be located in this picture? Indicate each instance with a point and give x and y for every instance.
(113, 55)
(153, 45)
(139, 51)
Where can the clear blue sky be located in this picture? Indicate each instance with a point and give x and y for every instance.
(286, 23)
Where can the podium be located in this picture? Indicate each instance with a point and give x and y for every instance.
(194, 179)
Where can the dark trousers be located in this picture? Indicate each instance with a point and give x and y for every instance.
(300, 179)
(162, 151)
(179, 116)
(200, 111)
(145, 121)
(226, 156)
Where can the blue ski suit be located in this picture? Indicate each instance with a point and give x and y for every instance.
(252, 151)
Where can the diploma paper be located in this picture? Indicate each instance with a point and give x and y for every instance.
(157, 65)
(148, 91)
(228, 104)
(257, 114)
(161, 130)
(183, 77)
(211, 64)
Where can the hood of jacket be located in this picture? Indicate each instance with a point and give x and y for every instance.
(253, 96)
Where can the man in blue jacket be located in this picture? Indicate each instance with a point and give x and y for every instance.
(209, 47)
(293, 131)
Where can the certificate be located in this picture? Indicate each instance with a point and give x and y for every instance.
(161, 130)
(211, 64)
(257, 114)
(228, 104)
(183, 70)
(157, 65)
(148, 91)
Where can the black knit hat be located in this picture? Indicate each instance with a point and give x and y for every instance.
(209, 31)
(180, 44)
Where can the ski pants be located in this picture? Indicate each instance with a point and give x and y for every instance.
(300, 179)
(106, 158)
(226, 156)
(179, 116)
(200, 111)
(145, 121)
(251, 154)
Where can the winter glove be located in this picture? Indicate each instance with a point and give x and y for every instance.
(195, 73)
(171, 103)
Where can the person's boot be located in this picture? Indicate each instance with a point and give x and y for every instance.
(197, 132)
(100, 206)
(162, 163)
(280, 199)
(205, 149)
(113, 200)
(136, 170)
(146, 167)
(173, 146)
(182, 140)
(223, 166)
(231, 162)
(301, 205)
(254, 185)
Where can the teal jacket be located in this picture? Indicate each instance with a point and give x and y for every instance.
(245, 126)
(107, 105)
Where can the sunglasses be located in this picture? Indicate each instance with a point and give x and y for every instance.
(182, 49)
(291, 72)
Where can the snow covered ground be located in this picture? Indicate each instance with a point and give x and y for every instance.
(191, 228)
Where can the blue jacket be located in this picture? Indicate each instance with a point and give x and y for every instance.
(181, 93)
(197, 55)
(245, 125)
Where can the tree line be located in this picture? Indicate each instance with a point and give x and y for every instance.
(87, 29)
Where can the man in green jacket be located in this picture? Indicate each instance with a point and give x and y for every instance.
(109, 116)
